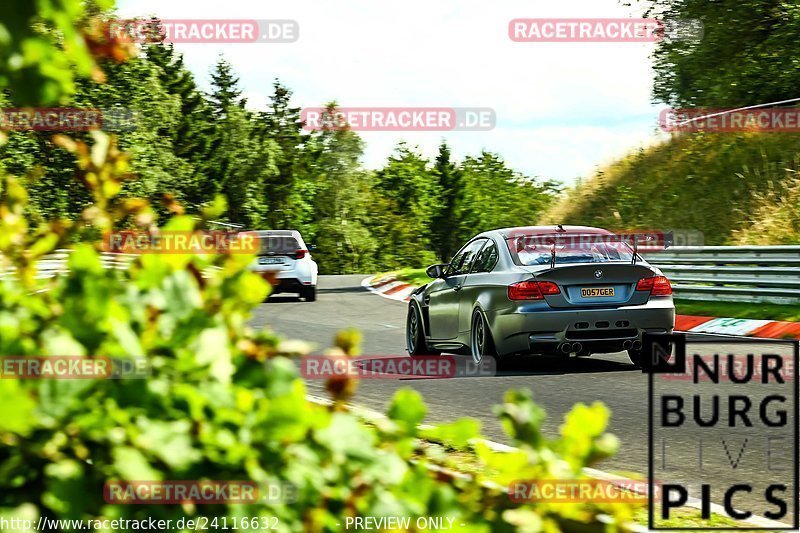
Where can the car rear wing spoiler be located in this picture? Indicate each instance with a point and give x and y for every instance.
(650, 241)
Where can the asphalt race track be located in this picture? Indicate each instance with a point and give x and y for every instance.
(557, 385)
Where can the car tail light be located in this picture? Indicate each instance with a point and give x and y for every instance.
(548, 288)
(531, 290)
(299, 254)
(524, 290)
(657, 285)
(661, 287)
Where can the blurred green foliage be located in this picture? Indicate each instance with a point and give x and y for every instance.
(46, 45)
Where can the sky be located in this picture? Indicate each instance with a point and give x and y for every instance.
(563, 109)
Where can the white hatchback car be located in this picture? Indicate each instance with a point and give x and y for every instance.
(285, 260)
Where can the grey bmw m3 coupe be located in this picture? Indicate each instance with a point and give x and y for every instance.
(546, 290)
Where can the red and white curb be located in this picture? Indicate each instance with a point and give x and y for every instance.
(744, 327)
(388, 287)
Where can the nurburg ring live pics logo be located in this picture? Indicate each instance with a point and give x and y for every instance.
(723, 432)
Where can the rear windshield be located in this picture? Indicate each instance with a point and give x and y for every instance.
(537, 251)
(277, 244)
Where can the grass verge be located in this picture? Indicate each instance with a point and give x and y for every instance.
(412, 276)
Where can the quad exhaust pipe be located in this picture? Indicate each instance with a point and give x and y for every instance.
(570, 347)
(576, 347)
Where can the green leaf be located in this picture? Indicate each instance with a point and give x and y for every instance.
(169, 441)
(17, 408)
(67, 493)
(457, 434)
(346, 438)
(408, 409)
(211, 348)
(132, 465)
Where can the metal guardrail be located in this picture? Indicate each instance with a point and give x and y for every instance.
(54, 264)
(732, 273)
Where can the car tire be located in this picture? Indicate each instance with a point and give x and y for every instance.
(481, 343)
(415, 336)
(309, 294)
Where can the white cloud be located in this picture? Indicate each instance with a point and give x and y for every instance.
(562, 108)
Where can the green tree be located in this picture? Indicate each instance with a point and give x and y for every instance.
(495, 196)
(244, 166)
(345, 244)
(136, 85)
(194, 136)
(409, 197)
(131, 86)
(445, 223)
(244, 158)
(747, 55)
(289, 193)
(226, 92)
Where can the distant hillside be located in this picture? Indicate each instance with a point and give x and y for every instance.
(734, 187)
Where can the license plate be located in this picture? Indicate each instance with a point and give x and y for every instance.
(270, 261)
(597, 292)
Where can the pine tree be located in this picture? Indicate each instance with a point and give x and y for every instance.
(226, 92)
(192, 135)
(340, 204)
(286, 205)
(445, 224)
(194, 138)
(409, 196)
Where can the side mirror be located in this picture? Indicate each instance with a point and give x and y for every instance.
(312, 247)
(436, 271)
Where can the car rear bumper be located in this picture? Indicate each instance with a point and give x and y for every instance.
(304, 273)
(542, 329)
(284, 282)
